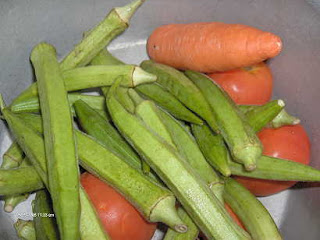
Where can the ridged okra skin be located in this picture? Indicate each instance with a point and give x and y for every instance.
(191, 191)
(243, 143)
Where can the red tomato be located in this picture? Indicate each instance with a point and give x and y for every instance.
(119, 218)
(248, 85)
(288, 142)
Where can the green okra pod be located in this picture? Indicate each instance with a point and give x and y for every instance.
(63, 171)
(26, 131)
(278, 169)
(97, 39)
(89, 77)
(25, 229)
(32, 105)
(158, 203)
(213, 148)
(149, 113)
(166, 100)
(192, 232)
(44, 222)
(95, 125)
(13, 158)
(123, 97)
(260, 116)
(281, 119)
(100, 36)
(192, 192)
(13, 181)
(251, 212)
(183, 89)
(105, 58)
(243, 143)
(189, 150)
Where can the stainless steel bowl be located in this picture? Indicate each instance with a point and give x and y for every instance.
(296, 71)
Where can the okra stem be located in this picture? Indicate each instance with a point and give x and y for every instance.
(192, 232)
(260, 116)
(283, 119)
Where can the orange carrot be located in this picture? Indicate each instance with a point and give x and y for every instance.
(211, 46)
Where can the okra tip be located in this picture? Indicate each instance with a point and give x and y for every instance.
(8, 208)
(127, 11)
(41, 49)
(281, 103)
(2, 104)
(165, 211)
(140, 76)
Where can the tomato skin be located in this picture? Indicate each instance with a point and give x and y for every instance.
(288, 142)
(248, 85)
(119, 218)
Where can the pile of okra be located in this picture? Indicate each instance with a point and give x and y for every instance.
(157, 135)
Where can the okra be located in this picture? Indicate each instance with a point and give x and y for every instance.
(63, 171)
(105, 58)
(95, 125)
(149, 113)
(192, 232)
(33, 105)
(260, 116)
(166, 100)
(13, 181)
(44, 222)
(243, 143)
(158, 203)
(251, 212)
(123, 97)
(278, 169)
(192, 192)
(281, 119)
(13, 158)
(33, 145)
(25, 229)
(97, 39)
(213, 148)
(90, 77)
(183, 89)
(189, 150)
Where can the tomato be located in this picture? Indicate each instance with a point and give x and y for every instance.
(248, 85)
(288, 142)
(119, 218)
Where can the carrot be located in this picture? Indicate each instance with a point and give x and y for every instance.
(211, 46)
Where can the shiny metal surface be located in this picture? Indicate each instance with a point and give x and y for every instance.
(296, 71)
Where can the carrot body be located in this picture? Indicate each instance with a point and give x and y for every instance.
(211, 46)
